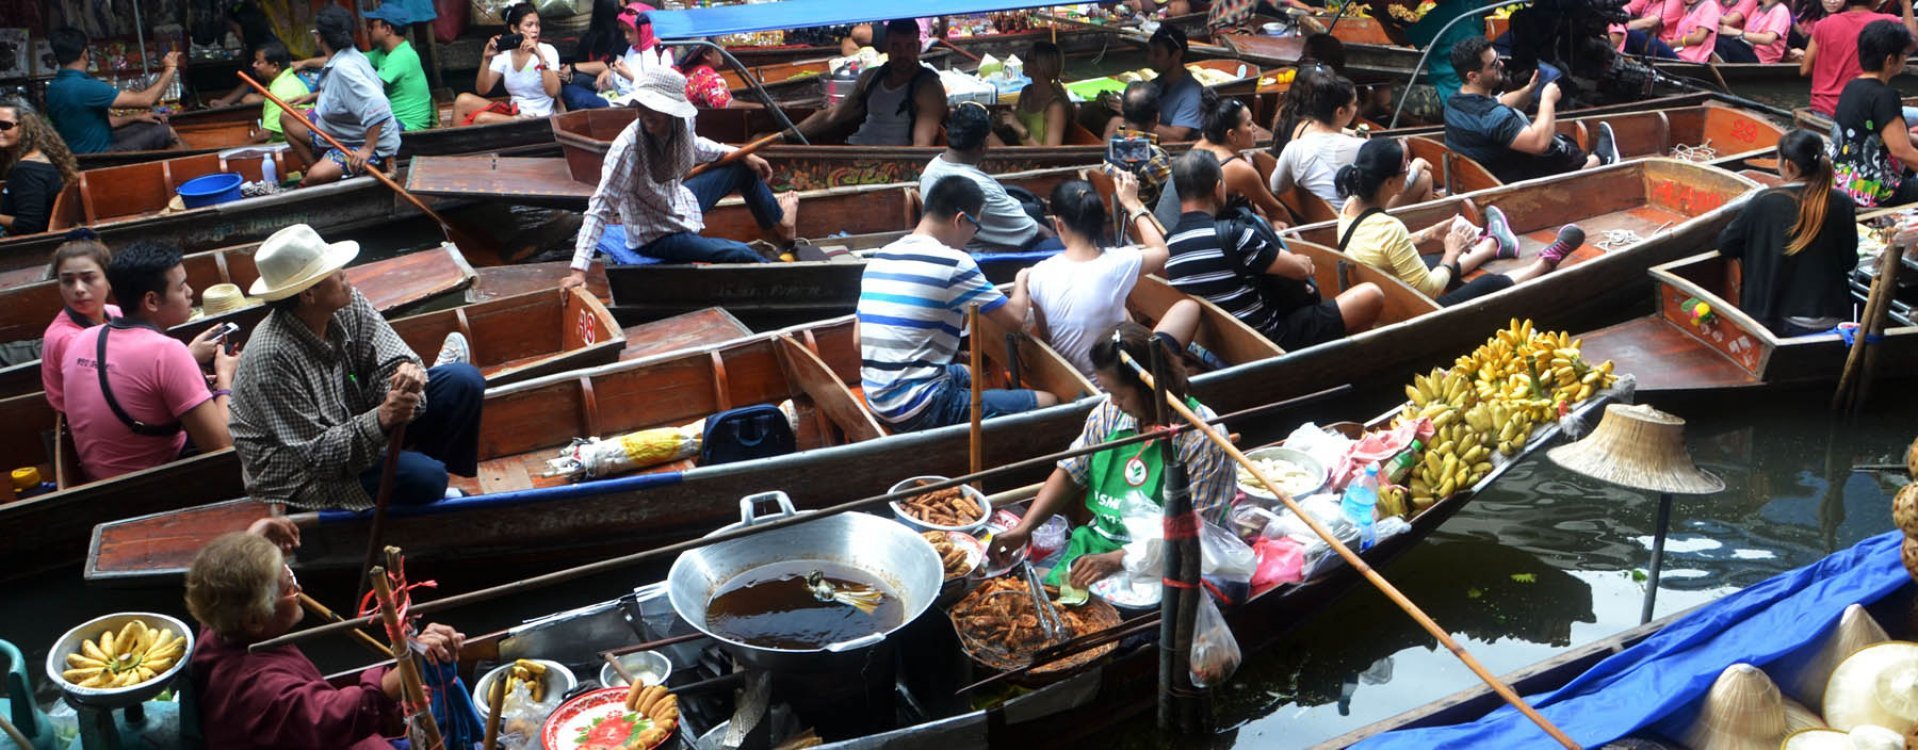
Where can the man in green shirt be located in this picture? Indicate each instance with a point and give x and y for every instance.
(274, 64)
(399, 67)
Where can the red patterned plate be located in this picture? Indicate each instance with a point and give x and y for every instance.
(598, 720)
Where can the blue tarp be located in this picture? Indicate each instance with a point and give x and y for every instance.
(1665, 674)
(801, 14)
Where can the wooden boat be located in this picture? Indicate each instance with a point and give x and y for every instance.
(1070, 38)
(130, 202)
(513, 339)
(1817, 122)
(524, 425)
(1671, 351)
(1890, 604)
(1691, 200)
(395, 285)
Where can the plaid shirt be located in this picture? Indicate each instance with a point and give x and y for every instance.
(1214, 480)
(1153, 173)
(305, 412)
(650, 210)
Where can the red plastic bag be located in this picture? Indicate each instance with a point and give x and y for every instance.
(1281, 560)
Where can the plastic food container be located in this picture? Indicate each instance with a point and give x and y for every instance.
(899, 510)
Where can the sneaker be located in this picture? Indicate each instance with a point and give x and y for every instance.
(454, 349)
(1498, 228)
(1607, 145)
(1570, 237)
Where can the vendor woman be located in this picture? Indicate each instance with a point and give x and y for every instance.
(1109, 478)
(241, 590)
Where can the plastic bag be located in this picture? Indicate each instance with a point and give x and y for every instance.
(521, 717)
(1225, 563)
(1215, 653)
(1281, 561)
(1318, 554)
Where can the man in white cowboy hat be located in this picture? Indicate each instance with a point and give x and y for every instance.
(644, 183)
(325, 380)
(133, 395)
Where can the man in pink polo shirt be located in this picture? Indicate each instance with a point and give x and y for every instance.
(1831, 58)
(133, 395)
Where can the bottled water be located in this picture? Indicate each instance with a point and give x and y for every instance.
(1360, 502)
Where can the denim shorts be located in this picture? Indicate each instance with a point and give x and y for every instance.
(951, 402)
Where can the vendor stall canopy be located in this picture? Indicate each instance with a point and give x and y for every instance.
(799, 14)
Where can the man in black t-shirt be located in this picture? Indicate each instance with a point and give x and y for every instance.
(1871, 150)
(1244, 268)
(1490, 129)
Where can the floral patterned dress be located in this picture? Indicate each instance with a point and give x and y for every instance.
(706, 88)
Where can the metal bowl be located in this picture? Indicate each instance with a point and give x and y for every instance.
(558, 679)
(121, 697)
(1301, 459)
(899, 511)
(642, 663)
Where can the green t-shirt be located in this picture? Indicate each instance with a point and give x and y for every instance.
(405, 85)
(1438, 66)
(287, 86)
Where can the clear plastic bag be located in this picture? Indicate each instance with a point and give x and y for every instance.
(1223, 555)
(521, 717)
(1215, 653)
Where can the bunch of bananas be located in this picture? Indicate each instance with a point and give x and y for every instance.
(134, 655)
(657, 705)
(1490, 401)
(1506, 11)
(532, 674)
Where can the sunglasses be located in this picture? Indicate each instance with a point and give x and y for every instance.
(6, 125)
(970, 220)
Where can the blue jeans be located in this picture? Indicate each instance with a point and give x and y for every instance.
(580, 93)
(951, 402)
(442, 439)
(1636, 41)
(708, 188)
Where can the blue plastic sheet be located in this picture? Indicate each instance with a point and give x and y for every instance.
(802, 14)
(1663, 676)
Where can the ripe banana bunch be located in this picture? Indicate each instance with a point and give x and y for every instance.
(134, 655)
(655, 704)
(532, 673)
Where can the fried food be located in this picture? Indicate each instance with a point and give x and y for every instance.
(947, 507)
(656, 704)
(999, 624)
(951, 556)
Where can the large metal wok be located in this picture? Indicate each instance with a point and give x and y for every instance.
(879, 547)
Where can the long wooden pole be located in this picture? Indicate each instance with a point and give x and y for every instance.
(410, 684)
(976, 446)
(1352, 558)
(313, 605)
(389, 474)
(1877, 303)
(662, 553)
(736, 155)
(1183, 707)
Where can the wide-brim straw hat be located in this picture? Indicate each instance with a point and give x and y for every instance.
(1640, 447)
(221, 299)
(296, 258)
(1877, 685)
(661, 90)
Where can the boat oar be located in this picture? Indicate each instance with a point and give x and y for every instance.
(977, 446)
(313, 605)
(736, 155)
(1351, 558)
(389, 471)
(479, 248)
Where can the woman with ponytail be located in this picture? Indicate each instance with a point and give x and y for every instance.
(80, 265)
(1081, 292)
(1378, 239)
(1797, 242)
(1322, 146)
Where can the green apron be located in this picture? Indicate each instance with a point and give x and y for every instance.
(1113, 475)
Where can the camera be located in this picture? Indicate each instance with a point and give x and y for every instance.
(509, 42)
(1128, 151)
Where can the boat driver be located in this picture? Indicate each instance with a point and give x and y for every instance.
(900, 103)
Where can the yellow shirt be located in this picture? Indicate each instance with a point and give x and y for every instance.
(1382, 242)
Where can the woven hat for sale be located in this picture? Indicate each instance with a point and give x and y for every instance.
(1640, 447)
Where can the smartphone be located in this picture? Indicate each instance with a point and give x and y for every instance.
(1128, 151)
(510, 42)
(224, 334)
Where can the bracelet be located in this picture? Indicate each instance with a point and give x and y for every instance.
(1134, 216)
(218, 392)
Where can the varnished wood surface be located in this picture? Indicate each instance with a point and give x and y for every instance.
(505, 281)
(712, 325)
(1664, 357)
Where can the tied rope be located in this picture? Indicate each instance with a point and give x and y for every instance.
(1700, 153)
(402, 601)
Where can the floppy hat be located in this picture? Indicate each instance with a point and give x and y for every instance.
(295, 258)
(661, 90)
(1640, 447)
(221, 299)
(390, 12)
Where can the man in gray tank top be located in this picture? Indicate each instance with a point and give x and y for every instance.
(900, 103)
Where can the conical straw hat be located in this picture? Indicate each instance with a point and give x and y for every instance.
(1640, 447)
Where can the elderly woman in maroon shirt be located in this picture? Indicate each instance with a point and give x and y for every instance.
(242, 592)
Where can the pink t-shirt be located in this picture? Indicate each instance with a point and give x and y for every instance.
(1744, 9)
(1837, 60)
(1705, 16)
(53, 344)
(155, 380)
(1777, 20)
(1671, 11)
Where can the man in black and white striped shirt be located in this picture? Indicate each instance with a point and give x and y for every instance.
(1253, 277)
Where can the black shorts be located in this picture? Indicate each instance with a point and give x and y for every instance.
(1305, 326)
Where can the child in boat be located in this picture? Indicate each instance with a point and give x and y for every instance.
(1798, 243)
(1081, 293)
(530, 73)
(351, 106)
(1378, 239)
(133, 395)
(241, 590)
(35, 166)
(80, 265)
(1487, 126)
(81, 106)
(1044, 112)
(1322, 145)
(1116, 478)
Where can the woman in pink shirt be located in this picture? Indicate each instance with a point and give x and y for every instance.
(1831, 57)
(80, 265)
(1697, 33)
(1652, 30)
(1758, 35)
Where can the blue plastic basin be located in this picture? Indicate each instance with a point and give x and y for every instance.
(211, 190)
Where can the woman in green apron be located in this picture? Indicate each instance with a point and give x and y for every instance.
(1115, 478)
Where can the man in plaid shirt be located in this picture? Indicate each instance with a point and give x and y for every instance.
(325, 381)
(1138, 119)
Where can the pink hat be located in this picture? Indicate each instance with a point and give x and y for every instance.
(631, 16)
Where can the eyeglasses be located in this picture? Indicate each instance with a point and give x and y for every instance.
(970, 220)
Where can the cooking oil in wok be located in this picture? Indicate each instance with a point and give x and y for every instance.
(772, 607)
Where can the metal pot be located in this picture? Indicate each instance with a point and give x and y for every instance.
(878, 547)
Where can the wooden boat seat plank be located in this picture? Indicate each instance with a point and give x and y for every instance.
(494, 176)
(1643, 219)
(494, 282)
(1663, 357)
(712, 325)
(404, 280)
(169, 540)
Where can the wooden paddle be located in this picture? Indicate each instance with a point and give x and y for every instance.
(389, 472)
(736, 155)
(480, 249)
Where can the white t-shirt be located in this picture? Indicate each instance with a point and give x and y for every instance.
(1083, 299)
(1313, 161)
(637, 59)
(526, 85)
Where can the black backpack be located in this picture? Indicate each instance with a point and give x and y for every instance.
(1277, 291)
(746, 433)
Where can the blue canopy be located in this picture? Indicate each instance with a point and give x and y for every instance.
(800, 14)
(1656, 682)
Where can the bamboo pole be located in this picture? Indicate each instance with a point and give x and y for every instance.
(496, 701)
(976, 447)
(1183, 707)
(658, 553)
(376, 536)
(1351, 558)
(410, 684)
(313, 605)
(1870, 325)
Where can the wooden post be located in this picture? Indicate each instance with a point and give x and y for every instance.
(978, 450)
(1870, 326)
(410, 684)
(1183, 708)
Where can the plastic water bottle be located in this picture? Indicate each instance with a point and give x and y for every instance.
(1359, 503)
(269, 171)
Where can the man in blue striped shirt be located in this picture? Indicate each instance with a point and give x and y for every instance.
(912, 311)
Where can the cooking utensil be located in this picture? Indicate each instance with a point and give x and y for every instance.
(899, 509)
(641, 664)
(119, 697)
(558, 679)
(1048, 614)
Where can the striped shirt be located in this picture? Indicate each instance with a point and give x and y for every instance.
(1201, 267)
(912, 310)
(650, 210)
